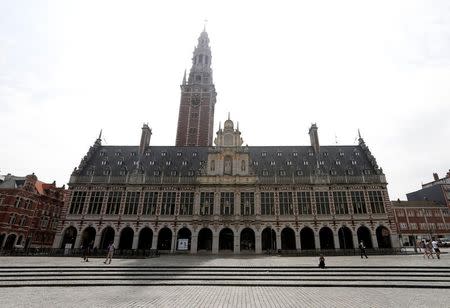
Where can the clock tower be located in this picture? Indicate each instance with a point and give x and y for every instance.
(198, 97)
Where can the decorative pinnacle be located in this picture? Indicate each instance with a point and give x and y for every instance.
(359, 134)
(204, 24)
(100, 135)
(228, 115)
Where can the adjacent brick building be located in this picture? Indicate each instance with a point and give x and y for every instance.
(437, 191)
(29, 211)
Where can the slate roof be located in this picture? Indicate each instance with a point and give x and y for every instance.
(264, 161)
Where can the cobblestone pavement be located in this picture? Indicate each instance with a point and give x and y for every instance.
(221, 297)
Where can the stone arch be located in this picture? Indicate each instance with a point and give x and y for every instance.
(88, 236)
(69, 237)
(345, 238)
(145, 238)
(268, 239)
(326, 238)
(226, 239)
(205, 238)
(288, 239)
(364, 235)
(108, 234)
(184, 233)
(164, 239)
(307, 240)
(10, 241)
(383, 237)
(126, 238)
(247, 238)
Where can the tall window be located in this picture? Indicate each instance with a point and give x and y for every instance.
(18, 200)
(267, 203)
(95, 202)
(186, 203)
(322, 202)
(376, 202)
(113, 203)
(340, 202)
(150, 203)
(286, 206)
(227, 203)
(304, 202)
(131, 203)
(78, 199)
(206, 203)
(247, 203)
(359, 205)
(168, 203)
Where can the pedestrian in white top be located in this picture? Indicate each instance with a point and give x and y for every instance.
(111, 248)
(436, 248)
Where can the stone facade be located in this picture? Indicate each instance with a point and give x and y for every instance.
(227, 198)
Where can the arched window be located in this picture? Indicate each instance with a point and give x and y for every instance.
(243, 165)
(213, 166)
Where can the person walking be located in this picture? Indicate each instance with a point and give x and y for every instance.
(362, 249)
(110, 254)
(436, 248)
(322, 261)
(429, 249)
(88, 252)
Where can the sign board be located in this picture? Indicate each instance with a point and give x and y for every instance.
(183, 244)
(67, 249)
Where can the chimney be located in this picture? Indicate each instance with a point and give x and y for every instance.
(435, 176)
(145, 138)
(314, 136)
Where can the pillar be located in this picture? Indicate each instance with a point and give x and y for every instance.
(78, 240)
(155, 240)
(56, 243)
(374, 240)
(278, 239)
(336, 240)
(135, 241)
(237, 243)
(396, 242)
(116, 240)
(194, 243)
(215, 243)
(98, 237)
(258, 248)
(297, 241)
(355, 239)
(317, 240)
(173, 247)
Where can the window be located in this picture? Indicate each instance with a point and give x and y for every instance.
(288, 163)
(150, 202)
(131, 203)
(338, 162)
(400, 213)
(295, 154)
(117, 154)
(135, 162)
(353, 162)
(18, 201)
(179, 154)
(299, 172)
(103, 162)
(113, 203)
(147, 153)
(191, 173)
(282, 173)
(77, 203)
(168, 203)
(279, 154)
(212, 165)
(333, 172)
(12, 219)
(359, 205)
(255, 163)
(304, 202)
(413, 226)
(119, 162)
(168, 163)
(272, 163)
(322, 203)
(263, 154)
(106, 172)
(186, 203)
(156, 173)
(163, 153)
(95, 202)
(133, 154)
(321, 162)
(341, 154)
(311, 153)
(194, 154)
(247, 203)
(173, 173)
(206, 203)
(367, 172)
(123, 171)
(286, 204)
(403, 226)
(265, 173)
(305, 162)
(184, 163)
(340, 202)
(151, 163)
(23, 221)
(376, 202)
(102, 153)
(243, 165)
(357, 153)
(350, 172)
(226, 203)
(325, 153)
(267, 203)
(44, 222)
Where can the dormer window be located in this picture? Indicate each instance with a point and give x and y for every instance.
(179, 154)
(133, 153)
(123, 172)
(212, 166)
(341, 153)
(147, 153)
(117, 153)
(135, 163)
(152, 163)
(366, 172)
(156, 173)
(168, 163)
(184, 163)
(321, 162)
(295, 154)
(325, 153)
(299, 172)
(279, 154)
(173, 173)
(282, 172)
(288, 163)
(333, 172)
(104, 162)
(353, 162)
(272, 163)
(191, 173)
(90, 171)
(357, 153)
(310, 153)
(265, 173)
(163, 153)
(102, 153)
(194, 154)
(106, 172)
(263, 154)
(305, 162)
(350, 172)
(255, 163)
(119, 162)
(338, 162)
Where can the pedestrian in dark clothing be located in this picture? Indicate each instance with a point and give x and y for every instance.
(89, 249)
(322, 261)
(362, 248)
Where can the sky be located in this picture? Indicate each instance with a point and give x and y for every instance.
(71, 68)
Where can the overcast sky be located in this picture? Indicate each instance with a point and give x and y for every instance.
(71, 68)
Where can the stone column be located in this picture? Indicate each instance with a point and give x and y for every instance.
(278, 237)
(336, 240)
(355, 240)
(194, 243)
(237, 243)
(317, 240)
(215, 243)
(56, 242)
(395, 241)
(258, 248)
(173, 247)
(116, 240)
(135, 241)
(298, 245)
(374, 240)
(155, 240)
(98, 237)
(78, 240)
